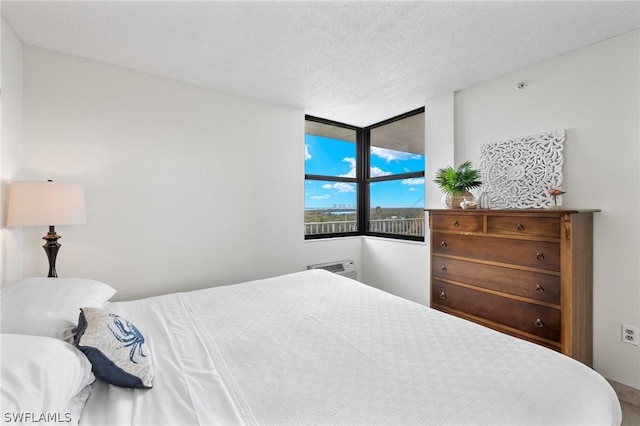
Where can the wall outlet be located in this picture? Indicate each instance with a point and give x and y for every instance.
(630, 334)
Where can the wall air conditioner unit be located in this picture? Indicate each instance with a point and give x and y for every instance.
(346, 268)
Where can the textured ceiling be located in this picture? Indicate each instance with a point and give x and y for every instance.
(349, 61)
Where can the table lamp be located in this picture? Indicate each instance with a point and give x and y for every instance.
(46, 204)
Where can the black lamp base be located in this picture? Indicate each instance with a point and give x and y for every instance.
(51, 248)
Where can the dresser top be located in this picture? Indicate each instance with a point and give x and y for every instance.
(511, 211)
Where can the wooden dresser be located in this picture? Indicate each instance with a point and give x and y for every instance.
(527, 273)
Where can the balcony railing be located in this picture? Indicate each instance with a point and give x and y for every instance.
(413, 227)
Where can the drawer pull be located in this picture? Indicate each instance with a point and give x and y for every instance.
(539, 288)
(443, 268)
(520, 227)
(443, 295)
(456, 224)
(540, 256)
(443, 244)
(539, 323)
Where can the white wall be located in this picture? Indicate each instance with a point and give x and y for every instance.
(398, 267)
(593, 93)
(440, 143)
(10, 149)
(186, 187)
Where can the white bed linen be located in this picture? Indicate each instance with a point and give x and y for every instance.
(317, 348)
(187, 389)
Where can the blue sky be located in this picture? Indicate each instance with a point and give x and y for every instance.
(325, 156)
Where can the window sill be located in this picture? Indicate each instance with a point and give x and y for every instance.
(367, 237)
(394, 240)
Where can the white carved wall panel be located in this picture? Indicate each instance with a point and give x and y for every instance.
(518, 172)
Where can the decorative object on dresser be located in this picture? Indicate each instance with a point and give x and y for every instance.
(555, 193)
(517, 172)
(456, 183)
(46, 204)
(527, 273)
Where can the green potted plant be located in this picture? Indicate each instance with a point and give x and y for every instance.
(456, 183)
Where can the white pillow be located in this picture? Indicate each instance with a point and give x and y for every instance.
(49, 306)
(44, 380)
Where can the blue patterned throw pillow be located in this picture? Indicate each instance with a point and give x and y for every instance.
(115, 347)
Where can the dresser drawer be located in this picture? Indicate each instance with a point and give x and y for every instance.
(456, 222)
(532, 285)
(531, 226)
(535, 254)
(528, 317)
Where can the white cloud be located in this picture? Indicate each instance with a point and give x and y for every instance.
(344, 187)
(307, 156)
(392, 155)
(339, 187)
(377, 171)
(352, 163)
(320, 197)
(413, 181)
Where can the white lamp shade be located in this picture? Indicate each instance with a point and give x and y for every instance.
(45, 203)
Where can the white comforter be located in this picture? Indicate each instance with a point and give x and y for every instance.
(317, 348)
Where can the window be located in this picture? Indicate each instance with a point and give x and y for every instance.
(365, 181)
(331, 185)
(396, 176)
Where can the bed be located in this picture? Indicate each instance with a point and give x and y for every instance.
(317, 348)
